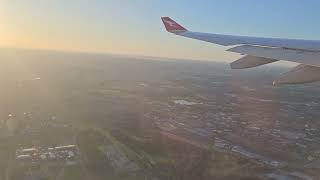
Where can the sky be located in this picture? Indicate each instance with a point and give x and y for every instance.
(134, 26)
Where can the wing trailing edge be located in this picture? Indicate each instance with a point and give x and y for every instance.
(298, 56)
(250, 61)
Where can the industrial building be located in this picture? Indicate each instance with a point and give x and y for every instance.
(68, 153)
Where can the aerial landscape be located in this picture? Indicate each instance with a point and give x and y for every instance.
(68, 115)
(159, 90)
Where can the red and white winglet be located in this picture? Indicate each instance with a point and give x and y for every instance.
(172, 26)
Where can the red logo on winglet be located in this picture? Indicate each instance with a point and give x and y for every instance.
(172, 26)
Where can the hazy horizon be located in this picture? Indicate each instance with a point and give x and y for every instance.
(285, 64)
(135, 28)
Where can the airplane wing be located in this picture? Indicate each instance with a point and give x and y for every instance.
(260, 51)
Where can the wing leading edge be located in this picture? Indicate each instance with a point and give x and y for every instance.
(261, 51)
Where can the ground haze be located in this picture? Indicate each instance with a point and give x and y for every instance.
(152, 118)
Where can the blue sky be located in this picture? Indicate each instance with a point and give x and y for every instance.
(134, 26)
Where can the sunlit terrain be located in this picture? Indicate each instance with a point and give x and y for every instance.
(94, 116)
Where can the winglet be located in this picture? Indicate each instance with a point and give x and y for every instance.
(172, 26)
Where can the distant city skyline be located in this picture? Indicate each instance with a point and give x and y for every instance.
(127, 27)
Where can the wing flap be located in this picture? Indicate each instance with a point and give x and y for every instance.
(299, 74)
(298, 56)
(250, 61)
